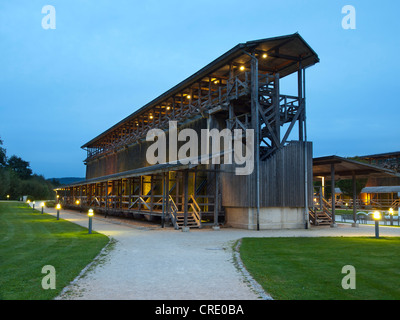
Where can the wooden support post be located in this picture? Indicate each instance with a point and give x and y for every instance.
(186, 199)
(354, 224)
(300, 93)
(151, 193)
(333, 194)
(112, 194)
(80, 198)
(216, 199)
(140, 191)
(107, 203)
(130, 191)
(321, 208)
(277, 107)
(164, 191)
(121, 192)
(255, 126)
(167, 194)
(178, 199)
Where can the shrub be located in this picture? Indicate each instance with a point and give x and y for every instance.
(50, 204)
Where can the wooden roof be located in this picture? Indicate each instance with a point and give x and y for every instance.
(344, 168)
(284, 54)
(387, 155)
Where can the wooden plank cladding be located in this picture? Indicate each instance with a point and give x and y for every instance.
(282, 180)
(132, 156)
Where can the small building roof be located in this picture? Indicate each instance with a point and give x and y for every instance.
(381, 189)
(344, 168)
(386, 155)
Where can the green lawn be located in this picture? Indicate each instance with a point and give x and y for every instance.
(30, 240)
(311, 268)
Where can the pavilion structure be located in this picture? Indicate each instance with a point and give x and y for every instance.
(333, 168)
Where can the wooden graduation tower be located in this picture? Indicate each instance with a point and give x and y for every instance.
(238, 90)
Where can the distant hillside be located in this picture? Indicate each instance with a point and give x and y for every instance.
(67, 180)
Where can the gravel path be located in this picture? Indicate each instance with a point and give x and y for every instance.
(147, 262)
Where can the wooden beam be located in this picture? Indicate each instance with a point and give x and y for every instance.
(333, 192)
(186, 198)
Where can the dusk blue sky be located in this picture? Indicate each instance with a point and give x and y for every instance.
(60, 88)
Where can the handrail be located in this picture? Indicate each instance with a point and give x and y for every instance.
(195, 203)
(174, 211)
(197, 213)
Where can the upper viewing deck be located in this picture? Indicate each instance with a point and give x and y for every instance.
(225, 79)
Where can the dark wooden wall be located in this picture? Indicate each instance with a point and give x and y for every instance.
(281, 180)
(133, 157)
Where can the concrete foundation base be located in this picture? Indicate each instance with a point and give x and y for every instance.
(269, 218)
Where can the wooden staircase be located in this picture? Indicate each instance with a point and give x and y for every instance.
(320, 214)
(191, 221)
(178, 217)
(320, 218)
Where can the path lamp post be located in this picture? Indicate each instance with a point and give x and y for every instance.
(33, 205)
(42, 205)
(58, 207)
(377, 217)
(90, 215)
(391, 216)
(8, 197)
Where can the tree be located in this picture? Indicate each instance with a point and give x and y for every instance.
(346, 186)
(19, 166)
(3, 157)
(16, 179)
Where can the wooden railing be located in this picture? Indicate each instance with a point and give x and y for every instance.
(217, 96)
(196, 210)
(173, 210)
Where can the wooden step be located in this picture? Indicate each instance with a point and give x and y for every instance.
(322, 218)
(190, 222)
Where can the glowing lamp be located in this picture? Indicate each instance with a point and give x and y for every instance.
(241, 68)
(377, 216)
(58, 207)
(90, 215)
(265, 56)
